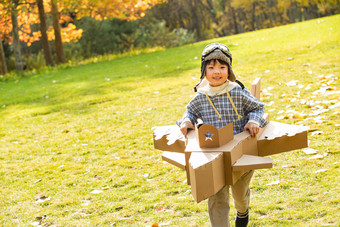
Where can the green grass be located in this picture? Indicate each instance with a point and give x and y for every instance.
(73, 130)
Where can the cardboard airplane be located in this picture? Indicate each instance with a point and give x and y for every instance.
(214, 158)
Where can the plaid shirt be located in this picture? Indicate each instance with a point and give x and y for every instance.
(247, 106)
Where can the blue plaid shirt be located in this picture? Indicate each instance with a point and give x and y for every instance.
(247, 106)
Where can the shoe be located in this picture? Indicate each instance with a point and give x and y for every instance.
(242, 219)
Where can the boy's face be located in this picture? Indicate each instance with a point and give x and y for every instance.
(216, 73)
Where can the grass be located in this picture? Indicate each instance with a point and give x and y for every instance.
(70, 131)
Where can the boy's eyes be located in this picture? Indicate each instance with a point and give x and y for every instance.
(212, 67)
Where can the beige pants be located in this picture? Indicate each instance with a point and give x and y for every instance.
(218, 204)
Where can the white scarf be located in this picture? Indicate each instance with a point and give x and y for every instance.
(212, 91)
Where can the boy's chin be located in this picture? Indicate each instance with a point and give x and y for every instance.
(217, 83)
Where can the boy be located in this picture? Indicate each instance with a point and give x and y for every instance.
(219, 103)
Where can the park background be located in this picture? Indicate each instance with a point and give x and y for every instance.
(76, 136)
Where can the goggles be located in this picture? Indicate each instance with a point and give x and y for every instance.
(212, 47)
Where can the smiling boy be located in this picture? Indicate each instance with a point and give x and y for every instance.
(219, 103)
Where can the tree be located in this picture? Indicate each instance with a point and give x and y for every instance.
(15, 30)
(43, 30)
(3, 66)
(56, 26)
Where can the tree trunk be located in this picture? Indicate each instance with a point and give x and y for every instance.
(58, 41)
(3, 66)
(233, 16)
(196, 24)
(16, 43)
(43, 30)
(253, 15)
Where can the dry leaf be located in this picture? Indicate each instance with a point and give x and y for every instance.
(320, 170)
(292, 83)
(316, 133)
(317, 156)
(160, 209)
(309, 151)
(43, 199)
(96, 191)
(274, 182)
(37, 181)
(36, 223)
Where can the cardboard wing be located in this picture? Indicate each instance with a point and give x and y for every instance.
(279, 137)
(168, 138)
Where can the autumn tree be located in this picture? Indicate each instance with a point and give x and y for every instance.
(15, 32)
(3, 66)
(56, 26)
(43, 30)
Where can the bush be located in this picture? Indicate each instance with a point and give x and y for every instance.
(156, 33)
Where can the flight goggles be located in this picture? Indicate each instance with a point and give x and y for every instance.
(212, 47)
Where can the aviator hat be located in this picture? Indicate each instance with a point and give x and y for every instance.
(216, 51)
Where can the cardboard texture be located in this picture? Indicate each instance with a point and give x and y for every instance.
(279, 137)
(256, 88)
(218, 158)
(168, 138)
(249, 162)
(208, 136)
(175, 158)
(206, 174)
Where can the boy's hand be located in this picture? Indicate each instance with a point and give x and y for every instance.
(253, 128)
(185, 126)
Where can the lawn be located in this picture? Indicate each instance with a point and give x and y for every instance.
(76, 144)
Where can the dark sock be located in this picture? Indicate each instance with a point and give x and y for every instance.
(242, 219)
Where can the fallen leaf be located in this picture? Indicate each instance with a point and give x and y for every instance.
(160, 209)
(43, 199)
(36, 223)
(317, 156)
(96, 191)
(41, 217)
(309, 151)
(292, 83)
(274, 182)
(316, 133)
(119, 208)
(320, 170)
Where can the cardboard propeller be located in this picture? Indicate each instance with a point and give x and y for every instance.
(214, 158)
